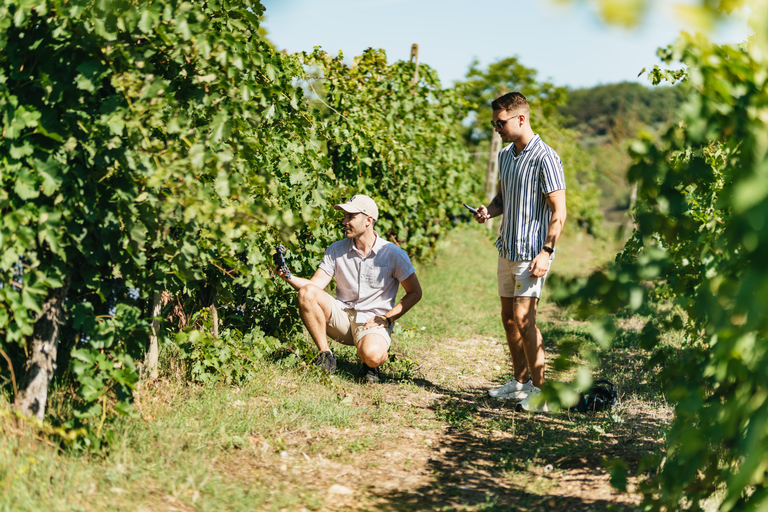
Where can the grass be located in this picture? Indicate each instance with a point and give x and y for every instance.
(427, 439)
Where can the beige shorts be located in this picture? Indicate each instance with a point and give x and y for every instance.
(515, 280)
(343, 328)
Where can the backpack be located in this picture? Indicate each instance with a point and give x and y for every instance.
(600, 397)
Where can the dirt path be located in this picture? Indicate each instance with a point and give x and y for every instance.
(456, 449)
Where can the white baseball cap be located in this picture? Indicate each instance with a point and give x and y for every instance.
(360, 204)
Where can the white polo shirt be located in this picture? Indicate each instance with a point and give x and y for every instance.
(367, 284)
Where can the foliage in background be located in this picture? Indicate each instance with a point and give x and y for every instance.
(607, 118)
(619, 111)
(397, 140)
(701, 214)
(167, 150)
(482, 86)
(135, 145)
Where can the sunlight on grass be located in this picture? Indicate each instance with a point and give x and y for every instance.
(279, 441)
(460, 292)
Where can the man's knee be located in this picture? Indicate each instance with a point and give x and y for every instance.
(374, 358)
(309, 295)
(524, 310)
(373, 350)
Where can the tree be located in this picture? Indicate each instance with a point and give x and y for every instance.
(481, 87)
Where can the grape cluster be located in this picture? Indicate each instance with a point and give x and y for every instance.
(133, 293)
(112, 305)
(279, 260)
(112, 299)
(18, 275)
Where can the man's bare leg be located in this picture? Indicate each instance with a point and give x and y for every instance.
(514, 340)
(531, 340)
(373, 350)
(315, 308)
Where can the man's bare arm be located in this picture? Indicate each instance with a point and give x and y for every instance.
(556, 203)
(494, 209)
(412, 295)
(320, 279)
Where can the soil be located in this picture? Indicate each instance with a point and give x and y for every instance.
(462, 450)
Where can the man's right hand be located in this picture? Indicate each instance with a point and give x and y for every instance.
(282, 272)
(482, 214)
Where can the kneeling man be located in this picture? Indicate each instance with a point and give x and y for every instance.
(368, 271)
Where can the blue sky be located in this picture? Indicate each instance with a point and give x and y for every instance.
(566, 44)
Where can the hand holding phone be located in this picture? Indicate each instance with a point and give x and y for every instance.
(480, 217)
(473, 210)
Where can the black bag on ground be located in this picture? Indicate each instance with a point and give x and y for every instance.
(600, 397)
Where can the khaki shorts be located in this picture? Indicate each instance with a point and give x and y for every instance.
(343, 328)
(515, 280)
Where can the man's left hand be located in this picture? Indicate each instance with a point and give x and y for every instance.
(539, 265)
(375, 321)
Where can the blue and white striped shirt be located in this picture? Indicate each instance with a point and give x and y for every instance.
(524, 181)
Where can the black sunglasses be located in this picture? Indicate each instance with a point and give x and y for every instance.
(501, 122)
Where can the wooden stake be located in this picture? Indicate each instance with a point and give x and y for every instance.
(415, 59)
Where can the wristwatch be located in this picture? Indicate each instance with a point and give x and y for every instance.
(389, 322)
(548, 249)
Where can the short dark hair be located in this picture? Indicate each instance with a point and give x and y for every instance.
(510, 102)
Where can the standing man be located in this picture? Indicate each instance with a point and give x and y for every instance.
(531, 199)
(368, 271)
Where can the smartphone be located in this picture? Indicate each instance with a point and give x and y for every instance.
(474, 211)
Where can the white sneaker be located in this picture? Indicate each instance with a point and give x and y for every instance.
(513, 390)
(526, 406)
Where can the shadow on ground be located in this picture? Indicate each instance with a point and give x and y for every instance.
(491, 458)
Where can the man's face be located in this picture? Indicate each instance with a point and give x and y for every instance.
(355, 224)
(508, 124)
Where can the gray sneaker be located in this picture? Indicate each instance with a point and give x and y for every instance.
(512, 390)
(325, 360)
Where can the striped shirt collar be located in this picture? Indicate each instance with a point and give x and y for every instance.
(531, 144)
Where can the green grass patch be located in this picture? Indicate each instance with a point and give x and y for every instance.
(282, 437)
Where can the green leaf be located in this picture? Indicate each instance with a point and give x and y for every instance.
(19, 152)
(50, 172)
(26, 186)
(85, 355)
(148, 20)
(124, 408)
(197, 156)
(90, 411)
(222, 184)
(221, 127)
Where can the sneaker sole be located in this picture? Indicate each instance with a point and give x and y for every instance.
(520, 408)
(517, 395)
